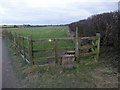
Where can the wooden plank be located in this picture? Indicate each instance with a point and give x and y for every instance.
(42, 50)
(69, 56)
(87, 54)
(42, 40)
(67, 48)
(89, 38)
(64, 39)
(86, 47)
(70, 52)
(47, 40)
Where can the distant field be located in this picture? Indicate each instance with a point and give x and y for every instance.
(43, 33)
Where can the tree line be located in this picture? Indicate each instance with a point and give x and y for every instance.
(107, 24)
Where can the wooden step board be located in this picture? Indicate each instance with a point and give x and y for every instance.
(68, 56)
(67, 61)
(70, 52)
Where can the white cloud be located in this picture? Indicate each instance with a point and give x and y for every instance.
(51, 11)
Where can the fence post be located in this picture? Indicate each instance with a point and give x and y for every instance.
(76, 45)
(98, 45)
(30, 49)
(19, 43)
(56, 56)
(15, 41)
(22, 46)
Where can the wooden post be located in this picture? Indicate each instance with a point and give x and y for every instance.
(77, 45)
(55, 48)
(16, 41)
(98, 45)
(15, 38)
(19, 43)
(22, 45)
(30, 49)
(23, 49)
(20, 37)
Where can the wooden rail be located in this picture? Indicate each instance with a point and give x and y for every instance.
(27, 51)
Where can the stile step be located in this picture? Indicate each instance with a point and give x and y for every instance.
(70, 52)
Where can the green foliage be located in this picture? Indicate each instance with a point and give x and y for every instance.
(106, 73)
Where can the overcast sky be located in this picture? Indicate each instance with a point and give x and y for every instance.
(52, 11)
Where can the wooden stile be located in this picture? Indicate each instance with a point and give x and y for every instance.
(19, 43)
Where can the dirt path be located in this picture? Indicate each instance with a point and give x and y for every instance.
(8, 76)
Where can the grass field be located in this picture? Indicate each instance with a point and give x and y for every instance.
(44, 33)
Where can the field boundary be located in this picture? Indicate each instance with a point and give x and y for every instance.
(27, 52)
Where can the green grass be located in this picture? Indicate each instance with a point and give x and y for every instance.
(51, 76)
(44, 33)
(106, 73)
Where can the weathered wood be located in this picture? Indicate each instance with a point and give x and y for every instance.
(89, 38)
(42, 40)
(58, 39)
(86, 47)
(56, 52)
(64, 39)
(87, 54)
(76, 45)
(69, 56)
(30, 49)
(67, 48)
(98, 45)
(42, 50)
(19, 43)
(67, 61)
(70, 52)
(23, 48)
